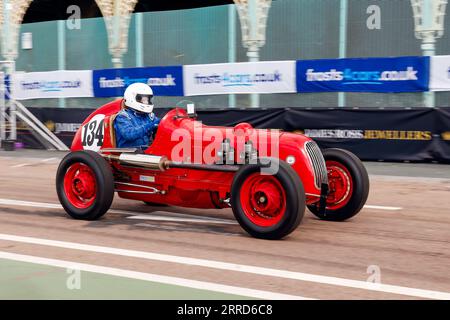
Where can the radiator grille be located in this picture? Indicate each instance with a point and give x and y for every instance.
(318, 163)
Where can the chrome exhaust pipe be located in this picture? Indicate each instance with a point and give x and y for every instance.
(162, 163)
(139, 160)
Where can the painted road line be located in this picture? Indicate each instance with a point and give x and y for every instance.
(209, 286)
(49, 159)
(13, 202)
(179, 217)
(368, 206)
(412, 179)
(176, 219)
(20, 165)
(342, 282)
(20, 203)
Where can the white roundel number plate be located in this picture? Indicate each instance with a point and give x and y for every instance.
(93, 132)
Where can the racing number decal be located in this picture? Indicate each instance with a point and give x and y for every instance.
(93, 133)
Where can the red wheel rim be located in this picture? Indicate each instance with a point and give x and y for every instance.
(80, 185)
(263, 199)
(340, 185)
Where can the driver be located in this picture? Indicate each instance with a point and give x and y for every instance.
(136, 123)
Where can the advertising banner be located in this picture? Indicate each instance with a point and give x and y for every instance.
(402, 74)
(245, 77)
(165, 81)
(440, 73)
(442, 149)
(52, 84)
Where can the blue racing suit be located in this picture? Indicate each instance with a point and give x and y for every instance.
(135, 129)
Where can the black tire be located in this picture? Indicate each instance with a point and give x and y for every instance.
(295, 201)
(104, 180)
(360, 180)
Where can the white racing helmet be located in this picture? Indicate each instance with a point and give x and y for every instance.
(138, 96)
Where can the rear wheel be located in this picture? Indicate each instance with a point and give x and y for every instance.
(348, 186)
(268, 206)
(85, 185)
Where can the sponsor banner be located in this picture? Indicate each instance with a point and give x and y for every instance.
(372, 134)
(402, 74)
(52, 84)
(245, 77)
(442, 149)
(440, 73)
(165, 81)
(392, 134)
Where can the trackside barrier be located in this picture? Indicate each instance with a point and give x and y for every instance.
(389, 134)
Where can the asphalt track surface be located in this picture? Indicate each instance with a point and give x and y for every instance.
(398, 247)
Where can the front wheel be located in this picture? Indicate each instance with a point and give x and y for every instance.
(268, 205)
(85, 185)
(348, 185)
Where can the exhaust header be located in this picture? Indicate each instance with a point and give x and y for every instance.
(159, 163)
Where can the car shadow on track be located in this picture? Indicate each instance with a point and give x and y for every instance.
(167, 219)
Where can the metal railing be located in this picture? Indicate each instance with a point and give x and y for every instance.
(39, 128)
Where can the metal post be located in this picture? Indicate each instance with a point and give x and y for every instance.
(232, 46)
(117, 60)
(428, 49)
(428, 46)
(342, 41)
(6, 32)
(139, 40)
(6, 21)
(61, 54)
(7, 109)
(2, 107)
(12, 106)
(253, 50)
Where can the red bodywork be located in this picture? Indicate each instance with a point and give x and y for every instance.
(189, 187)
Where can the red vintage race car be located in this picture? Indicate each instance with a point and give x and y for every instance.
(267, 177)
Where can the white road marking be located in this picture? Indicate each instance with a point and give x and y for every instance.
(342, 282)
(49, 159)
(368, 206)
(33, 163)
(20, 165)
(20, 203)
(411, 179)
(209, 286)
(176, 219)
(13, 202)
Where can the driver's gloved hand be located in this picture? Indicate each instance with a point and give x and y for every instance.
(139, 150)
